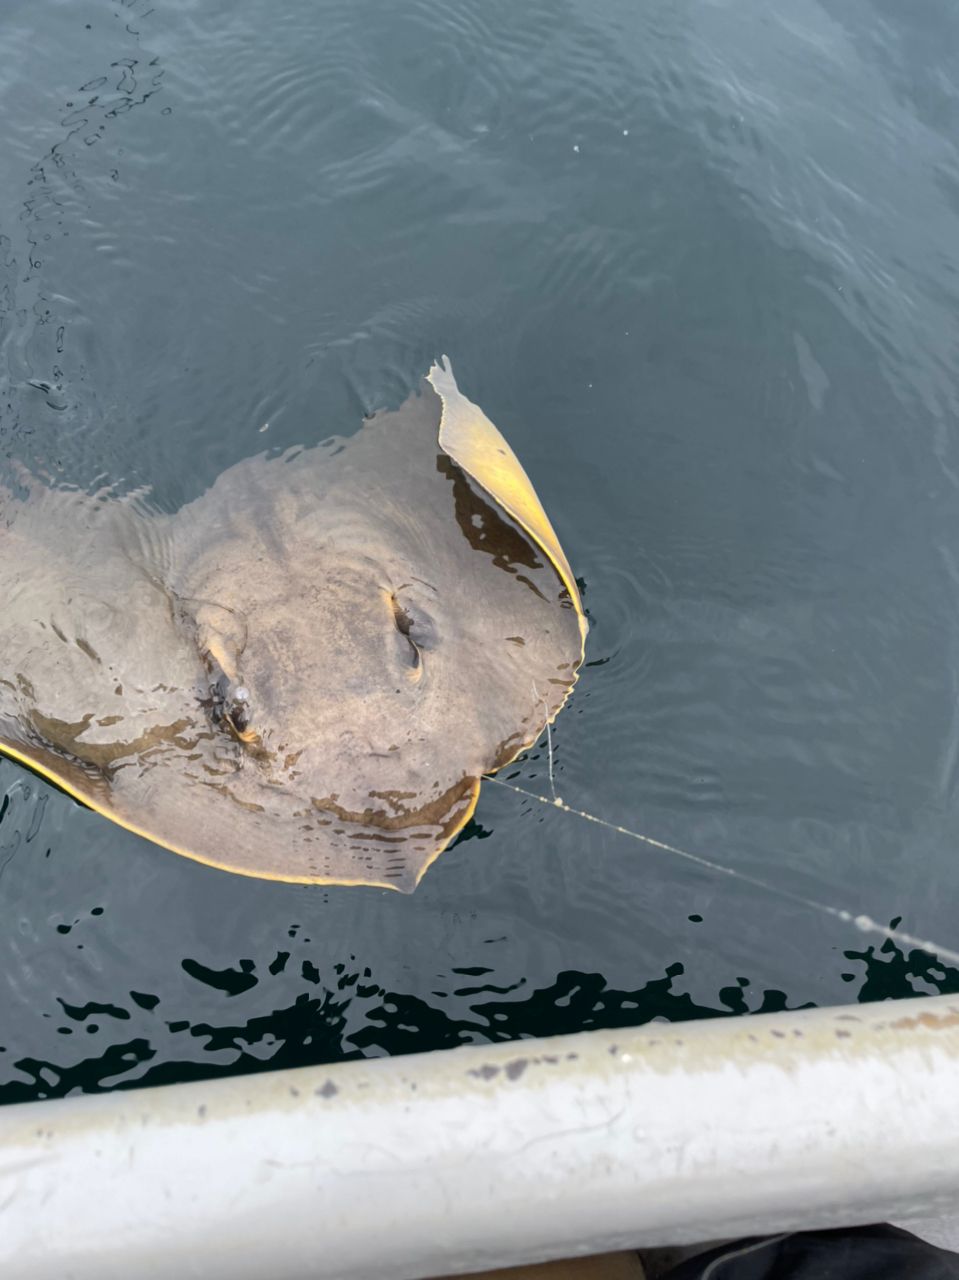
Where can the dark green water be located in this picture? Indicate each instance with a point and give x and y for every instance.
(700, 262)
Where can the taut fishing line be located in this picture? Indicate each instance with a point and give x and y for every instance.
(864, 923)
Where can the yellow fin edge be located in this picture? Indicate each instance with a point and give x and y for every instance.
(479, 448)
(58, 780)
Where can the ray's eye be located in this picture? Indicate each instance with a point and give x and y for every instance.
(230, 704)
(237, 714)
(238, 711)
(416, 628)
(405, 625)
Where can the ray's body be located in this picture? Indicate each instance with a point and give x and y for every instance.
(302, 674)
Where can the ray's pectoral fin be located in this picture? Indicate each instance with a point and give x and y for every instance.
(479, 448)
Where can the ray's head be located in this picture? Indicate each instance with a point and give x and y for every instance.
(325, 665)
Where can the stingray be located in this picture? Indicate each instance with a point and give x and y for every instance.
(303, 674)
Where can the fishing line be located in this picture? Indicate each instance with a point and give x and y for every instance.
(864, 923)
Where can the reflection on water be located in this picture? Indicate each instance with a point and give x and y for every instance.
(700, 265)
(345, 1013)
